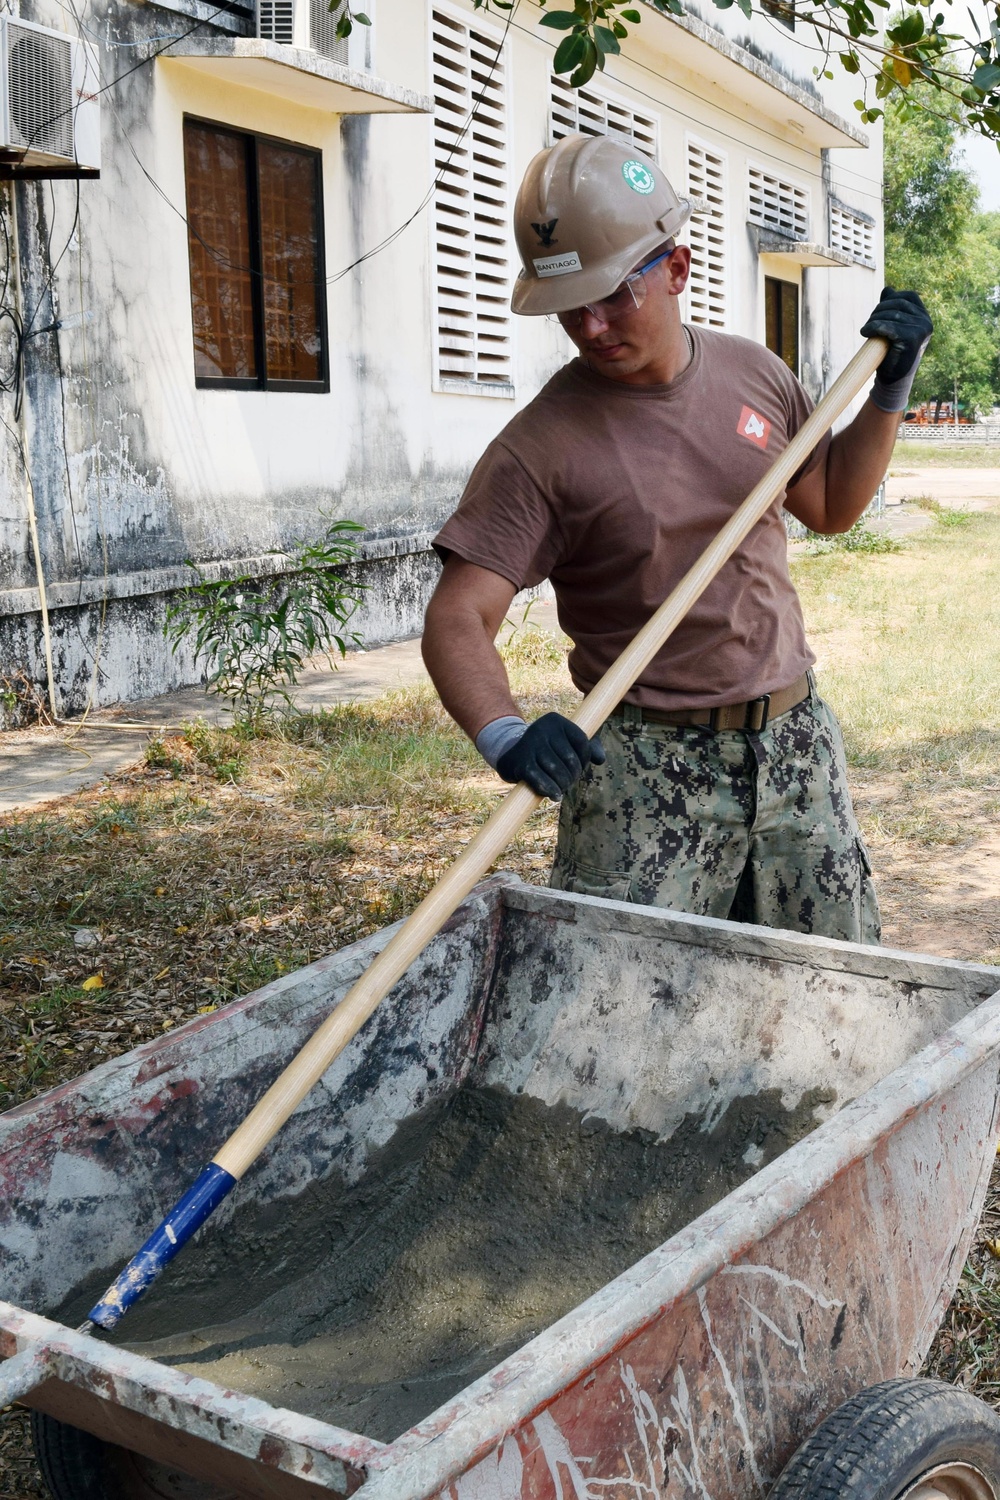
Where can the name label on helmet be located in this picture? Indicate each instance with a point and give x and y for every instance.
(557, 265)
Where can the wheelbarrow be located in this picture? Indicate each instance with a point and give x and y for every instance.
(604, 1203)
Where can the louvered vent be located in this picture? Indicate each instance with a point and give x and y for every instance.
(471, 205)
(40, 90)
(853, 233)
(595, 111)
(276, 21)
(323, 32)
(706, 289)
(781, 206)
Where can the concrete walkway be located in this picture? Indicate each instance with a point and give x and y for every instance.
(41, 765)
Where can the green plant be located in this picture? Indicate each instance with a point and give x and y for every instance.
(160, 758)
(951, 517)
(860, 538)
(222, 753)
(527, 644)
(255, 637)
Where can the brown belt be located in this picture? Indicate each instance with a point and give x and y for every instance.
(753, 715)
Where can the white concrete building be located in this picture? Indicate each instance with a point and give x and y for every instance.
(286, 295)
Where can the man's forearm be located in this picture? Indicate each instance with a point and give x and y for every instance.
(856, 464)
(466, 668)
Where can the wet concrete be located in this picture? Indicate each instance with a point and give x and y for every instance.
(482, 1222)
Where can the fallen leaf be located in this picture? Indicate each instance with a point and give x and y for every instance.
(993, 1246)
(161, 890)
(162, 974)
(180, 931)
(206, 1010)
(95, 982)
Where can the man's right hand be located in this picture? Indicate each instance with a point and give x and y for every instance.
(551, 754)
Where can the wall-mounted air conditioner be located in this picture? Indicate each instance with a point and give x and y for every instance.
(50, 113)
(311, 24)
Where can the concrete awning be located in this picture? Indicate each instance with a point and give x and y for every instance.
(799, 252)
(296, 74)
(741, 76)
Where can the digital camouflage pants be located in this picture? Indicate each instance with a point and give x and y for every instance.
(753, 827)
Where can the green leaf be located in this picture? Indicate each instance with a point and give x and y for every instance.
(631, 15)
(571, 52)
(362, 20)
(909, 30)
(986, 77)
(619, 30)
(606, 41)
(559, 20)
(585, 71)
(850, 62)
(745, 7)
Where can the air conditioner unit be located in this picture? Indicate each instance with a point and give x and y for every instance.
(50, 113)
(311, 24)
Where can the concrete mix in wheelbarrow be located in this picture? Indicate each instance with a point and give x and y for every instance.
(478, 1225)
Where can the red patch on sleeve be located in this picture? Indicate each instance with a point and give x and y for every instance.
(754, 427)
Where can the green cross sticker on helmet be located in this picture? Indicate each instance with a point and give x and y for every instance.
(639, 178)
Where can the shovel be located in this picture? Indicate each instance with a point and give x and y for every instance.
(332, 1036)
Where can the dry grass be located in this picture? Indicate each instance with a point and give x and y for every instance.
(193, 888)
(966, 1350)
(226, 861)
(944, 455)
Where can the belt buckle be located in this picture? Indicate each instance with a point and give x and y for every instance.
(757, 710)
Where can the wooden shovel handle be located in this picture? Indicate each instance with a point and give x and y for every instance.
(330, 1039)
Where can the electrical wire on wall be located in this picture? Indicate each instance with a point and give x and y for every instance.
(22, 330)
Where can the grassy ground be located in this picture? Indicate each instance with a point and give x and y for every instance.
(224, 861)
(954, 455)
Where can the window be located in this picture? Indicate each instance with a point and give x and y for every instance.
(781, 320)
(852, 232)
(782, 10)
(593, 110)
(777, 205)
(471, 208)
(258, 295)
(706, 287)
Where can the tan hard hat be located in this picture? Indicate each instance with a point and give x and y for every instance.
(589, 209)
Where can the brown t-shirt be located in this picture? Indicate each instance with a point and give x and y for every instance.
(613, 491)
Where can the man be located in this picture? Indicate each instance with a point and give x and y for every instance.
(718, 786)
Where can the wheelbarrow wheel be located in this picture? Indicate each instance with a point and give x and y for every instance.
(919, 1438)
(78, 1466)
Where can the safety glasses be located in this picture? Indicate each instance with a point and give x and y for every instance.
(623, 301)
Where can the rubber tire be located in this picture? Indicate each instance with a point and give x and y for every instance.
(78, 1466)
(883, 1439)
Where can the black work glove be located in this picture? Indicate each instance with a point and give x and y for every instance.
(902, 318)
(551, 754)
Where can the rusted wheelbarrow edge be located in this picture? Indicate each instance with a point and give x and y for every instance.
(312, 1450)
(423, 1461)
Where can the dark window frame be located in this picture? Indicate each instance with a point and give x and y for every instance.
(261, 382)
(779, 283)
(781, 10)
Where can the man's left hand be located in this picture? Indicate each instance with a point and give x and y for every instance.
(903, 319)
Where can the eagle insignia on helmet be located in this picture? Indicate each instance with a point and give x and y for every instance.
(544, 232)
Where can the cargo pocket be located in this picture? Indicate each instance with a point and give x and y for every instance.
(869, 916)
(583, 880)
